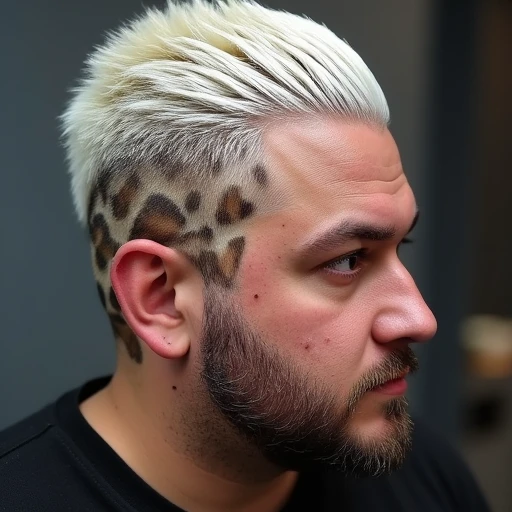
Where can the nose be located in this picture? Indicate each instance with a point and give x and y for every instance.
(402, 312)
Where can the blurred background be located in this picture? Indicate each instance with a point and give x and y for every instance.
(446, 69)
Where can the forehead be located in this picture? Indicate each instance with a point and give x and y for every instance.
(327, 167)
(315, 155)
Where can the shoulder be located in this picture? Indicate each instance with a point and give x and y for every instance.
(24, 435)
(29, 450)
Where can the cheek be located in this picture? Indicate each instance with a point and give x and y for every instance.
(322, 333)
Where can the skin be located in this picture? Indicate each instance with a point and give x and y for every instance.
(334, 322)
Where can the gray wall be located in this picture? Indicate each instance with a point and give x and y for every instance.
(54, 335)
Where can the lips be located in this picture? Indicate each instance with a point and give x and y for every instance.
(399, 376)
(394, 386)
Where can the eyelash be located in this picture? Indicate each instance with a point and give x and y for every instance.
(360, 254)
(403, 242)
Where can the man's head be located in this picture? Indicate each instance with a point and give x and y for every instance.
(245, 202)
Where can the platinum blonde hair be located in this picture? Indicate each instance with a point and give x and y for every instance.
(197, 82)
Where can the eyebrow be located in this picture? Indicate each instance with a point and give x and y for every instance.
(349, 230)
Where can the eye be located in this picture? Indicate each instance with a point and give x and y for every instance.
(348, 265)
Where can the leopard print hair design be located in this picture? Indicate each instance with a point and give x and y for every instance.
(206, 226)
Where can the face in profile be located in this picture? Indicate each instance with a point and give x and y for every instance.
(307, 354)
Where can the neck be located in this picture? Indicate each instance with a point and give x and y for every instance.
(205, 466)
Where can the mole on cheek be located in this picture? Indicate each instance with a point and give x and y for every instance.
(174, 387)
(256, 296)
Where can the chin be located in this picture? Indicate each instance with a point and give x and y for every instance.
(385, 427)
(375, 441)
(372, 425)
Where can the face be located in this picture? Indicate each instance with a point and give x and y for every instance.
(300, 357)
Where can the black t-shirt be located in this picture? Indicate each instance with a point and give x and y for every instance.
(54, 461)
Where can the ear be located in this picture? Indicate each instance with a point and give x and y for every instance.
(149, 281)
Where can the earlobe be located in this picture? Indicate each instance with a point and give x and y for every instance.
(145, 276)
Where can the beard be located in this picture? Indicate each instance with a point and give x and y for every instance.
(294, 420)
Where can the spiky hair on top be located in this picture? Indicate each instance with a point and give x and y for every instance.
(194, 83)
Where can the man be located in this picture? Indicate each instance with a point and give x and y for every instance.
(245, 202)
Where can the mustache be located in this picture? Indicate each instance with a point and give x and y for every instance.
(393, 367)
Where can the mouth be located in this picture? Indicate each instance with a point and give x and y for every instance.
(395, 386)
